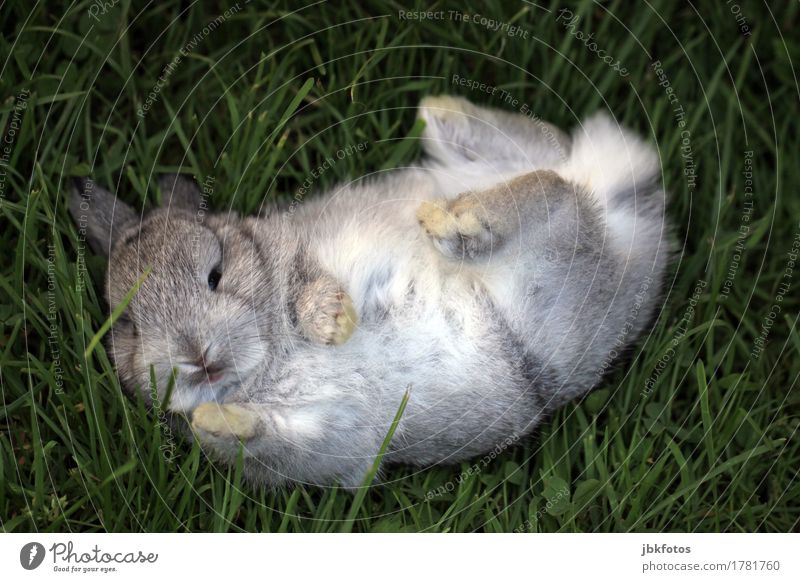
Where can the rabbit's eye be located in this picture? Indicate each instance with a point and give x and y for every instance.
(213, 278)
(124, 321)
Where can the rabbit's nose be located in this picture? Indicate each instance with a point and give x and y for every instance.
(210, 370)
(213, 369)
(206, 363)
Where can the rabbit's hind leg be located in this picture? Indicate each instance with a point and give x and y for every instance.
(468, 138)
(476, 224)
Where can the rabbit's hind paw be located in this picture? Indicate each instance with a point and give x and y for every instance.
(455, 227)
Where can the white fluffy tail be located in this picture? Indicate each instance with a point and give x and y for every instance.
(622, 172)
(610, 161)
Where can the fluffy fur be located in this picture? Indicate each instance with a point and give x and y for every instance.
(497, 280)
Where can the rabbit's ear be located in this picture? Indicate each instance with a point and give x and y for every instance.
(178, 191)
(100, 216)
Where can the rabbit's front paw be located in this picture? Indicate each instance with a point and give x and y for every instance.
(225, 420)
(455, 227)
(326, 313)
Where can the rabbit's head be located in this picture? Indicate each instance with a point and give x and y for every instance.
(206, 308)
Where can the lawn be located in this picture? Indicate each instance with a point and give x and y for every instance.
(697, 431)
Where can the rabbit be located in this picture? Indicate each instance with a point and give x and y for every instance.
(493, 282)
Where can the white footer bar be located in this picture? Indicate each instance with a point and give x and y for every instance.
(406, 557)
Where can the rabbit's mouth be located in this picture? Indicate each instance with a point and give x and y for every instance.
(191, 395)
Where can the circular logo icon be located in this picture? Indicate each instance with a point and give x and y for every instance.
(31, 555)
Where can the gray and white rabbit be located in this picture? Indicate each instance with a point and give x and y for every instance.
(496, 280)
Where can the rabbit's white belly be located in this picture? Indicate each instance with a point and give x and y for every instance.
(434, 329)
(426, 322)
(424, 319)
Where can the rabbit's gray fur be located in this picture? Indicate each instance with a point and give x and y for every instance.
(497, 280)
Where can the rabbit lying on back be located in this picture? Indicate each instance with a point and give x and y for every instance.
(497, 280)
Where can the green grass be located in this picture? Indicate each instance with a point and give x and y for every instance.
(264, 99)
